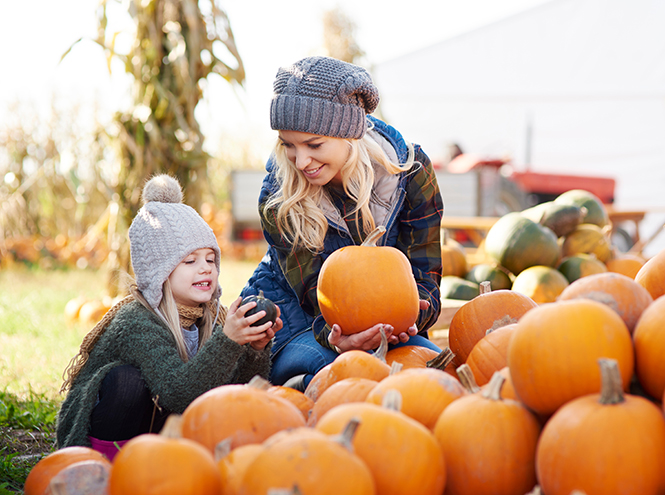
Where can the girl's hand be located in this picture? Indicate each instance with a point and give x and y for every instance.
(238, 326)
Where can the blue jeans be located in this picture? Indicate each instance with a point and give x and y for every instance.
(303, 355)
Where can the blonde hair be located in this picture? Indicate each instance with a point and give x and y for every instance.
(296, 204)
(168, 311)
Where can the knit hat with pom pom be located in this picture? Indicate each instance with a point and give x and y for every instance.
(162, 234)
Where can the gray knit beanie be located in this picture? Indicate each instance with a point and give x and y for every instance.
(325, 96)
(162, 234)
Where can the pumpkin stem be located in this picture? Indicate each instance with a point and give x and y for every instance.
(392, 400)
(493, 389)
(536, 491)
(382, 350)
(258, 382)
(172, 427)
(374, 236)
(441, 361)
(348, 433)
(260, 296)
(396, 368)
(611, 391)
(467, 379)
(222, 449)
(485, 287)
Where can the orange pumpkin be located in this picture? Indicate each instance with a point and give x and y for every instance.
(453, 258)
(354, 389)
(361, 286)
(311, 461)
(234, 464)
(627, 264)
(319, 383)
(652, 275)
(553, 352)
(164, 464)
(489, 444)
(411, 356)
(243, 413)
(607, 443)
(40, 475)
(298, 398)
(414, 356)
(402, 454)
(621, 293)
(487, 311)
(425, 392)
(490, 353)
(649, 342)
(507, 391)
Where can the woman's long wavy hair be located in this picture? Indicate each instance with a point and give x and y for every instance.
(299, 217)
(169, 313)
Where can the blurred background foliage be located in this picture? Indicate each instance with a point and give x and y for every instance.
(69, 187)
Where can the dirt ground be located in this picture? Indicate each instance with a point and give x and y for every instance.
(29, 445)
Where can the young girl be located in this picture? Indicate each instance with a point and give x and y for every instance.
(169, 341)
(337, 173)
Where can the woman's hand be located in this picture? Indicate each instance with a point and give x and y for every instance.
(370, 339)
(238, 326)
(366, 340)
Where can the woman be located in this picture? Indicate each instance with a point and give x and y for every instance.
(337, 173)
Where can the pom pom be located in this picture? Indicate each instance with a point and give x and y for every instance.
(162, 189)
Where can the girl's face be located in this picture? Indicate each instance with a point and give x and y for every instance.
(194, 280)
(319, 158)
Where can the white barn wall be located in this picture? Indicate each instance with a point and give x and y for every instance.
(588, 74)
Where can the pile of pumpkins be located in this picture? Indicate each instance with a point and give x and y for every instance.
(539, 251)
(556, 398)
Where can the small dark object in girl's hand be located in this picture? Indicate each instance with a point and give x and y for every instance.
(262, 304)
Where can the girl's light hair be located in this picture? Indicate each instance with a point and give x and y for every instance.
(168, 311)
(298, 215)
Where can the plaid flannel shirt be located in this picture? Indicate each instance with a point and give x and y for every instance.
(415, 230)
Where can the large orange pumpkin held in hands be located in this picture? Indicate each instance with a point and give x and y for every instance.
(361, 286)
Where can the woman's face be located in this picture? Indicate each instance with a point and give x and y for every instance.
(194, 280)
(319, 158)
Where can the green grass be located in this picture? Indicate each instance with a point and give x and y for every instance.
(26, 435)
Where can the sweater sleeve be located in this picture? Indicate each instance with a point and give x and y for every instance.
(148, 345)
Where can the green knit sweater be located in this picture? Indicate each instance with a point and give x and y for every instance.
(136, 336)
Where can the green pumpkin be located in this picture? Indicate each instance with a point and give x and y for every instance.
(494, 274)
(580, 265)
(560, 218)
(453, 287)
(516, 243)
(595, 210)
